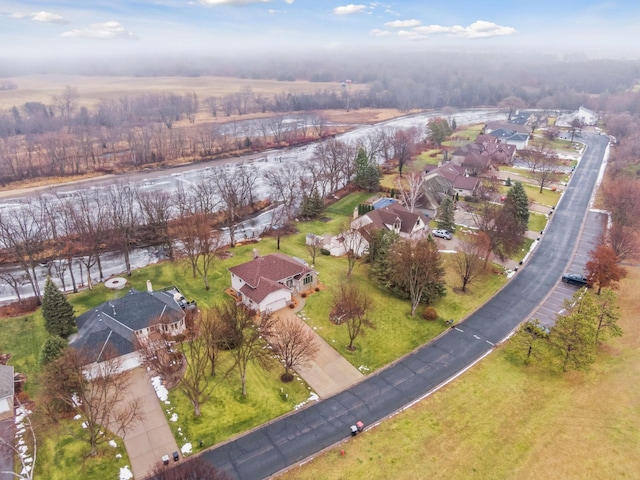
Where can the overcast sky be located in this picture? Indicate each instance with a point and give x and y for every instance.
(52, 28)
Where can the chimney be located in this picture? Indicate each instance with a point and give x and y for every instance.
(149, 287)
(256, 253)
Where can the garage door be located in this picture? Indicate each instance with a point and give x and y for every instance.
(277, 305)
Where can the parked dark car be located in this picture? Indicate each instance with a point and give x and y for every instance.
(574, 279)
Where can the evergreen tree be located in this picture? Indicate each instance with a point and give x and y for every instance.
(59, 319)
(312, 205)
(367, 174)
(52, 349)
(379, 247)
(454, 125)
(446, 215)
(518, 202)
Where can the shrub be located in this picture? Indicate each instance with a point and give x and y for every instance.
(324, 251)
(317, 289)
(470, 199)
(303, 295)
(430, 313)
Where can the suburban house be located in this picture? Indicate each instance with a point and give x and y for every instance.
(266, 284)
(583, 114)
(446, 181)
(114, 326)
(394, 217)
(485, 152)
(6, 390)
(509, 133)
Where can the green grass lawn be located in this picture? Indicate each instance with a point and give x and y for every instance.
(537, 222)
(62, 456)
(547, 198)
(502, 420)
(227, 412)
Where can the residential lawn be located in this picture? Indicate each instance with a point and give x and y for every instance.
(23, 338)
(547, 198)
(521, 172)
(62, 456)
(502, 420)
(557, 144)
(393, 325)
(464, 136)
(526, 246)
(346, 205)
(537, 222)
(227, 412)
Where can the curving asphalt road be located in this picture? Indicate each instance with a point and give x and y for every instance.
(288, 440)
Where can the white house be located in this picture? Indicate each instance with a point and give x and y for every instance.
(268, 283)
(586, 117)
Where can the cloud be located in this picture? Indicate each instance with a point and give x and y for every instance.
(289, 1)
(478, 29)
(232, 2)
(45, 17)
(403, 23)
(380, 33)
(350, 9)
(106, 30)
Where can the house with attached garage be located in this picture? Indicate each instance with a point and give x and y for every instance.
(115, 327)
(267, 284)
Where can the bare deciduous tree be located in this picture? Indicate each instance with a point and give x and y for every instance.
(189, 469)
(294, 343)
(351, 306)
(99, 394)
(249, 331)
(468, 261)
(410, 188)
(417, 268)
(196, 382)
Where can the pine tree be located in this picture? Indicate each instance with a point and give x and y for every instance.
(446, 215)
(52, 349)
(59, 319)
(312, 205)
(367, 172)
(518, 201)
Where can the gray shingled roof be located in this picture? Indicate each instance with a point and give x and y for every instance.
(114, 322)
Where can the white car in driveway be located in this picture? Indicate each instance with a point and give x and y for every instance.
(446, 234)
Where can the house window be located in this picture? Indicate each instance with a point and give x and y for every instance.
(307, 280)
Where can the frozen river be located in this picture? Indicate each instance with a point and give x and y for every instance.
(170, 180)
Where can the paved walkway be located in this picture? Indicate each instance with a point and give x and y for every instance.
(328, 373)
(148, 439)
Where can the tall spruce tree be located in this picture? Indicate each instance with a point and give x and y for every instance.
(446, 215)
(367, 174)
(58, 314)
(518, 201)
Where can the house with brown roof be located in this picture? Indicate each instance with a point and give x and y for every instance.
(268, 283)
(447, 180)
(394, 217)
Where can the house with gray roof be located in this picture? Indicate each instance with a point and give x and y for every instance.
(267, 283)
(116, 325)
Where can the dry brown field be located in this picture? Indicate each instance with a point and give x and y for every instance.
(40, 88)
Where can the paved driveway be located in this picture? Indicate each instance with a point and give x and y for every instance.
(329, 372)
(150, 438)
